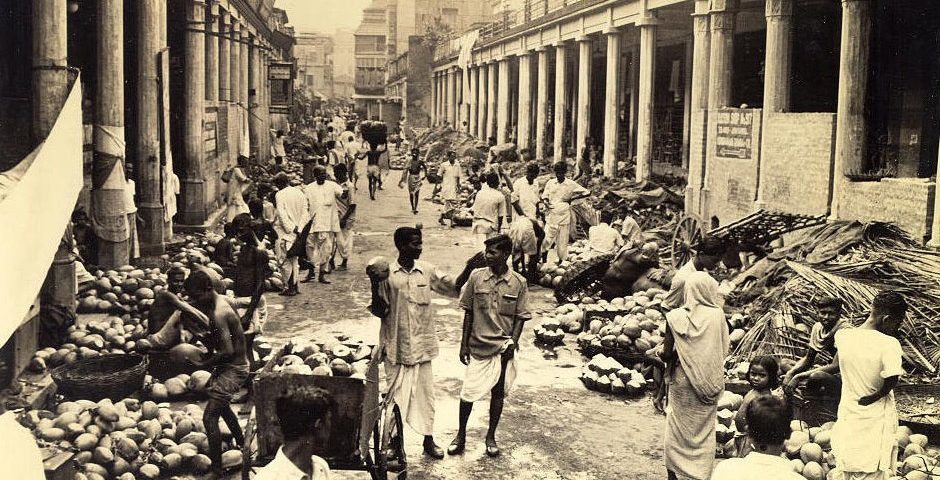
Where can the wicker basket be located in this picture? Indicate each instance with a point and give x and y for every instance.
(917, 424)
(107, 376)
(815, 411)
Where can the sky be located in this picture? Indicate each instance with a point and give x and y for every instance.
(324, 16)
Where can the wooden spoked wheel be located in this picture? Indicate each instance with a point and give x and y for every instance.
(689, 231)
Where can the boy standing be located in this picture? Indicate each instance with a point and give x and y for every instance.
(869, 359)
(494, 299)
(768, 420)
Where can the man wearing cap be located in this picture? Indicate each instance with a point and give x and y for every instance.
(558, 194)
(408, 336)
(494, 299)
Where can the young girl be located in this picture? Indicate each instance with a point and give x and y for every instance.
(764, 379)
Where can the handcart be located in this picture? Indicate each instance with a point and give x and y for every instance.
(365, 431)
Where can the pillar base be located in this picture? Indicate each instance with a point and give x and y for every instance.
(60, 287)
(113, 254)
(193, 208)
(934, 243)
(151, 232)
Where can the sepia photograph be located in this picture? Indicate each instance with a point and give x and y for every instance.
(666, 239)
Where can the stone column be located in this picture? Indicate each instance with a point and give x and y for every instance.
(452, 104)
(433, 104)
(482, 94)
(721, 63)
(50, 89)
(612, 102)
(541, 103)
(256, 131)
(502, 109)
(699, 103)
(212, 53)
(779, 14)
(584, 93)
(523, 124)
(472, 115)
(109, 211)
(148, 170)
(491, 100)
(646, 96)
(935, 231)
(233, 65)
(851, 127)
(561, 101)
(225, 56)
(193, 208)
(243, 69)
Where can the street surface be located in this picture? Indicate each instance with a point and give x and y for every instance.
(552, 427)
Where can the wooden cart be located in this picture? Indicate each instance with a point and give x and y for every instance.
(365, 433)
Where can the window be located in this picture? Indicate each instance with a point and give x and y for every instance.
(370, 44)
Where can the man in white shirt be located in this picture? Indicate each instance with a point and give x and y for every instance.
(525, 191)
(602, 238)
(322, 195)
(869, 360)
(293, 214)
(558, 194)
(489, 208)
(305, 416)
(450, 185)
(768, 420)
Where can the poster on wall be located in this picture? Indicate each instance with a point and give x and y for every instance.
(734, 133)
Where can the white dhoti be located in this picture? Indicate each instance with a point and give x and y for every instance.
(344, 243)
(320, 247)
(557, 234)
(522, 234)
(483, 374)
(411, 387)
(290, 266)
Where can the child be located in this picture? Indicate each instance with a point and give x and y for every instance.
(764, 379)
(770, 419)
(821, 343)
(224, 254)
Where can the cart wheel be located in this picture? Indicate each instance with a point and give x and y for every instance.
(398, 443)
(689, 232)
(248, 451)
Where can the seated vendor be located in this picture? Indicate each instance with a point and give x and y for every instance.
(602, 238)
(821, 341)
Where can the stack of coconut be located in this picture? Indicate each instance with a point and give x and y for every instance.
(129, 439)
(331, 358)
(110, 335)
(606, 375)
(551, 272)
(556, 322)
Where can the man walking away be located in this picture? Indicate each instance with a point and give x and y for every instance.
(869, 359)
(305, 416)
(558, 194)
(347, 217)
(322, 195)
(292, 216)
(401, 297)
(489, 208)
(227, 354)
(494, 299)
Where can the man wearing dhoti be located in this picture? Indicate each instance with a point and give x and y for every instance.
(407, 337)
(494, 299)
(869, 359)
(450, 183)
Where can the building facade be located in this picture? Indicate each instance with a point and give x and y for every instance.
(805, 106)
(370, 54)
(315, 70)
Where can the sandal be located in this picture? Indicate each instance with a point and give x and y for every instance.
(491, 449)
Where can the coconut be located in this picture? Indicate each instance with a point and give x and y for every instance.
(340, 368)
(175, 387)
(317, 359)
(324, 370)
(813, 471)
(811, 452)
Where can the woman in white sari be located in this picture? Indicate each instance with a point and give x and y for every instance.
(695, 349)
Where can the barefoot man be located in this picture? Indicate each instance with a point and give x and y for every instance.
(494, 299)
(227, 355)
(401, 297)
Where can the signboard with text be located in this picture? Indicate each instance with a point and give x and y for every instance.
(734, 133)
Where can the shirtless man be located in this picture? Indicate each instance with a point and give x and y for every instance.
(227, 356)
(167, 301)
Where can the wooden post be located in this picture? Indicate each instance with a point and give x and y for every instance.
(851, 127)
(193, 212)
(109, 211)
(612, 102)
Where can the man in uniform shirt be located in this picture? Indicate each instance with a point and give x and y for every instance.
(489, 208)
(558, 194)
(494, 299)
(322, 197)
(408, 337)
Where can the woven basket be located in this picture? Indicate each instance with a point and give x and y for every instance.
(107, 376)
(815, 411)
(917, 424)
